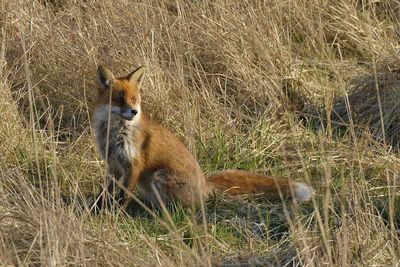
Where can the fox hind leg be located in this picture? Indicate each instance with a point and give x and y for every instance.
(169, 188)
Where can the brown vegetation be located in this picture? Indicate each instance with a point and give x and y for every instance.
(222, 75)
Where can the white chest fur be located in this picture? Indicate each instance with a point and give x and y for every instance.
(120, 144)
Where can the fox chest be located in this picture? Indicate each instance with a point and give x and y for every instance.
(116, 144)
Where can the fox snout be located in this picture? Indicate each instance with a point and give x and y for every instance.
(129, 113)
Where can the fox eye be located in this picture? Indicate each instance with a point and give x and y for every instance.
(119, 99)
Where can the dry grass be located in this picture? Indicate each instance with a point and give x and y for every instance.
(374, 102)
(225, 77)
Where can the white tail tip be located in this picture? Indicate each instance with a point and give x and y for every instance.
(302, 191)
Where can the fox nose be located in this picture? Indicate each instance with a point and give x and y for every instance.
(129, 113)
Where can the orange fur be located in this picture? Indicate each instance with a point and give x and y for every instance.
(237, 182)
(147, 156)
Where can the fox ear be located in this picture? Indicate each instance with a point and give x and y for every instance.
(136, 76)
(104, 77)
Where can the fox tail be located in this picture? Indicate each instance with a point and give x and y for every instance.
(237, 182)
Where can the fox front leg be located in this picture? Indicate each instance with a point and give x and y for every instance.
(130, 180)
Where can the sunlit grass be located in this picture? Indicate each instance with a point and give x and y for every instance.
(244, 85)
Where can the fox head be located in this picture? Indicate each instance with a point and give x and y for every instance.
(120, 96)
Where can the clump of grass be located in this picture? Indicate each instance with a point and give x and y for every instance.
(372, 102)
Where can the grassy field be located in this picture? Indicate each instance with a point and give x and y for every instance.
(303, 88)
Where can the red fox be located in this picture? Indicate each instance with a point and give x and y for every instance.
(143, 154)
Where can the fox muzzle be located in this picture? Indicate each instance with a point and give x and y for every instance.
(129, 113)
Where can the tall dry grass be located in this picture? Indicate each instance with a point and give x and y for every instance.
(226, 77)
